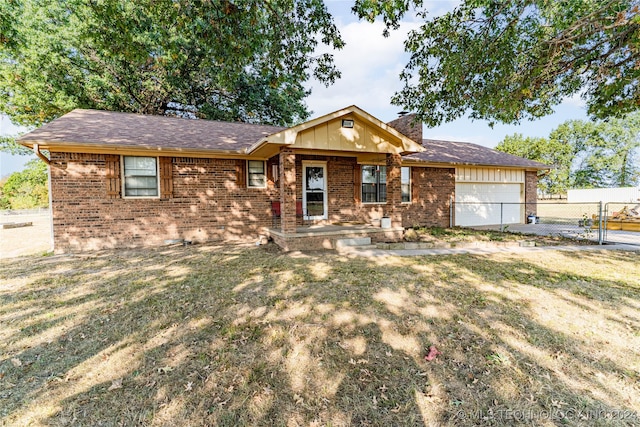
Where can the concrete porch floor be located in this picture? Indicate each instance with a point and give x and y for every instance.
(318, 237)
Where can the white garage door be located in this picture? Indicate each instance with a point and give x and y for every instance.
(480, 204)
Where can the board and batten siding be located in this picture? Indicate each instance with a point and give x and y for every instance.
(332, 136)
(468, 174)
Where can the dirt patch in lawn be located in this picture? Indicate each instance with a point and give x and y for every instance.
(438, 235)
(229, 336)
(28, 240)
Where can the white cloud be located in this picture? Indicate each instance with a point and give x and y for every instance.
(370, 66)
(575, 101)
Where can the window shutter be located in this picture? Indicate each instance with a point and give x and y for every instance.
(415, 175)
(166, 177)
(241, 177)
(272, 171)
(357, 183)
(112, 166)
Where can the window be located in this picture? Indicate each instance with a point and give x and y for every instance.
(374, 184)
(256, 176)
(405, 181)
(140, 176)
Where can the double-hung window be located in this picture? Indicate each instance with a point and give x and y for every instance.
(405, 181)
(374, 184)
(256, 176)
(140, 176)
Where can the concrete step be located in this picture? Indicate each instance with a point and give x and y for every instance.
(357, 248)
(355, 241)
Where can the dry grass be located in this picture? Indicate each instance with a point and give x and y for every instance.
(439, 235)
(249, 336)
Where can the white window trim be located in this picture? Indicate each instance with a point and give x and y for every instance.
(123, 190)
(264, 169)
(361, 183)
(410, 185)
(314, 163)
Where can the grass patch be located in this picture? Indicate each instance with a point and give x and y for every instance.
(248, 336)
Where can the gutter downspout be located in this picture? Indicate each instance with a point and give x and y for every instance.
(36, 149)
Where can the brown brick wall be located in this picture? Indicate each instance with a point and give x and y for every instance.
(433, 189)
(207, 204)
(531, 192)
(406, 126)
(431, 199)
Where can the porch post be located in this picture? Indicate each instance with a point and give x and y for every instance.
(288, 190)
(394, 189)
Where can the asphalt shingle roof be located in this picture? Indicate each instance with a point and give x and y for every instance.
(466, 153)
(108, 128)
(115, 129)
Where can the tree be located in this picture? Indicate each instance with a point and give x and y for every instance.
(584, 154)
(548, 151)
(605, 151)
(241, 60)
(9, 145)
(621, 144)
(26, 189)
(514, 59)
(577, 137)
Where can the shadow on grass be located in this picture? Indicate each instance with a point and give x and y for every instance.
(233, 336)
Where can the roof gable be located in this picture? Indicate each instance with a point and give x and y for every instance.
(368, 135)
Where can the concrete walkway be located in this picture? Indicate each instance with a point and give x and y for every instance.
(483, 251)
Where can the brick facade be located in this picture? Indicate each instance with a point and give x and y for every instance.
(208, 199)
(432, 192)
(531, 192)
(208, 203)
(408, 126)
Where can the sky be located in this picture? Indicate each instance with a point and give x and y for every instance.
(370, 66)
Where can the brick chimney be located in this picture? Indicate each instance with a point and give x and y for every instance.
(404, 125)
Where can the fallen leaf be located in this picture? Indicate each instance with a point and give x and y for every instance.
(115, 384)
(433, 353)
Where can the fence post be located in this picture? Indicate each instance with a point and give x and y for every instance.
(501, 228)
(600, 224)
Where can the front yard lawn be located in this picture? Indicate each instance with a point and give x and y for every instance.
(232, 335)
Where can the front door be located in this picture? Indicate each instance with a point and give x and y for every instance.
(314, 192)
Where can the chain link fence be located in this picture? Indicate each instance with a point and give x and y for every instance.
(621, 223)
(597, 222)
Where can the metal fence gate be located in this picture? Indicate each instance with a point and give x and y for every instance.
(621, 223)
(598, 222)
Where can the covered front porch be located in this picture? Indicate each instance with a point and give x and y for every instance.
(319, 237)
(341, 168)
